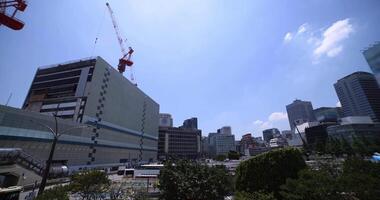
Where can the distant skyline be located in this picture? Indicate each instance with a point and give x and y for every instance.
(228, 63)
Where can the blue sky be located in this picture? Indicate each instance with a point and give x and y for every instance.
(236, 63)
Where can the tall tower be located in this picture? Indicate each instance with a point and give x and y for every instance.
(359, 95)
(372, 55)
(300, 112)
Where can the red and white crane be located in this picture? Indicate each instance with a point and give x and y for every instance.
(125, 60)
(10, 20)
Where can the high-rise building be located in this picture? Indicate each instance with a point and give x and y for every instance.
(299, 112)
(271, 133)
(247, 141)
(225, 130)
(191, 123)
(222, 142)
(180, 142)
(359, 95)
(372, 55)
(166, 120)
(124, 119)
(326, 114)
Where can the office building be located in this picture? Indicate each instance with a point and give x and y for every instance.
(191, 123)
(326, 114)
(124, 119)
(166, 120)
(226, 130)
(358, 127)
(359, 95)
(317, 134)
(247, 141)
(222, 142)
(271, 133)
(299, 112)
(179, 142)
(372, 55)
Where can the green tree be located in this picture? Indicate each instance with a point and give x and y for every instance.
(55, 193)
(221, 157)
(268, 171)
(254, 196)
(233, 155)
(361, 178)
(90, 185)
(186, 180)
(311, 185)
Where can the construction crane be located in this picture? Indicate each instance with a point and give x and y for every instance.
(10, 20)
(125, 60)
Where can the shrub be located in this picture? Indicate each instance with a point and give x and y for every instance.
(268, 171)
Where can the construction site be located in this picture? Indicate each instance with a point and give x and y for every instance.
(77, 115)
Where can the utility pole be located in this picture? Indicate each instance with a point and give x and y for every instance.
(56, 135)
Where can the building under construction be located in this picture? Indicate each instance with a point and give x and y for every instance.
(123, 119)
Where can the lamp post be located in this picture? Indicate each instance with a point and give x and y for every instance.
(56, 135)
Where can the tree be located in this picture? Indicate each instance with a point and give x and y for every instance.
(55, 193)
(311, 185)
(359, 179)
(254, 196)
(190, 180)
(233, 155)
(221, 157)
(268, 171)
(90, 185)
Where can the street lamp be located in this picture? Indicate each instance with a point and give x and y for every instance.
(56, 135)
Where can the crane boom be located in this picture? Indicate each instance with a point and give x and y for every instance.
(116, 27)
(125, 60)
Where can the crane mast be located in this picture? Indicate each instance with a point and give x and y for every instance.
(125, 60)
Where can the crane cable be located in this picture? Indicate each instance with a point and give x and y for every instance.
(97, 33)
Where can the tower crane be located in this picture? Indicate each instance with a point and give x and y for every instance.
(125, 60)
(10, 20)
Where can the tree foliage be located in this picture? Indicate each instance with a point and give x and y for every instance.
(268, 171)
(254, 196)
(185, 180)
(221, 157)
(90, 185)
(359, 179)
(55, 193)
(233, 155)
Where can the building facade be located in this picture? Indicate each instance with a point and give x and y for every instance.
(370, 132)
(123, 118)
(359, 95)
(221, 142)
(180, 142)
(326, 114)
(271, 133)
(166, 120)
(372, 55)
(299, 112)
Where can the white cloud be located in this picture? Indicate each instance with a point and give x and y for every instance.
(288, 37)
(332, 38)
(334, 52)
(272, 119)
(338, 104)
(277, 116)
(303, 28)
